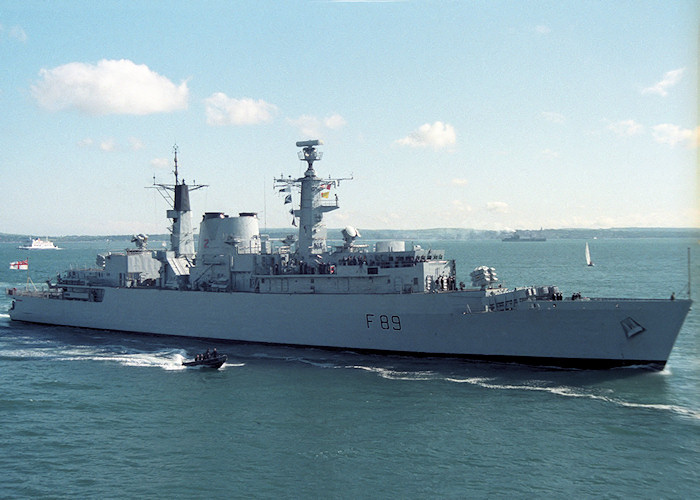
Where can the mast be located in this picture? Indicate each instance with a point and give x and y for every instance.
(312, 205)
(689, 272)
(181, 234)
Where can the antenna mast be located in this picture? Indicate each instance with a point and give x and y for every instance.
(312, 203)
(688, 272)
(175, 152)
(181, 233)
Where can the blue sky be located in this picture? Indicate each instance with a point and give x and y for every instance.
(473, 114)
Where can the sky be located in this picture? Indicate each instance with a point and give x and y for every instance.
(480, 114)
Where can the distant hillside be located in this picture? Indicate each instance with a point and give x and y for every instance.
(467, 234)
(24, 238)
(422, 234)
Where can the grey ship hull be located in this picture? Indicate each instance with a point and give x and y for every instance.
(573, 333)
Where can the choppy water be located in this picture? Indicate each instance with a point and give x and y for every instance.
(88, 414)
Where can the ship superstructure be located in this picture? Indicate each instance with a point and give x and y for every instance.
(389, 297)
(39, 244)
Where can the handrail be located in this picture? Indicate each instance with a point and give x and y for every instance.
(628, 299)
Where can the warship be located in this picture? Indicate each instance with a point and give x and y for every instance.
(240, 285)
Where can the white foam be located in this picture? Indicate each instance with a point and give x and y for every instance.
(164, 361)
(571, 392)
(167, 360)
(318, 364)
(394, 374)
(21, 353)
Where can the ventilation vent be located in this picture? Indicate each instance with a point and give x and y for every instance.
(631, 327)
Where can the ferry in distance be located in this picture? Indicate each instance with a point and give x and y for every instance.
(526, 236)
(39, 244)
(392, 297)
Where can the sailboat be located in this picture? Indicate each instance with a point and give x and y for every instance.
(589, 262)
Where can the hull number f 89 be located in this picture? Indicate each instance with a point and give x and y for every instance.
(383, 321)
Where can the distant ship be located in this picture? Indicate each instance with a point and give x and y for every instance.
(526, 236)
(390, 297)
(39, 244)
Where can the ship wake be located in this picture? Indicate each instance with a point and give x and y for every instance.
(166, 359)
(575, 392)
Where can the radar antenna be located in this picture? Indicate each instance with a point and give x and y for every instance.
(309, 154)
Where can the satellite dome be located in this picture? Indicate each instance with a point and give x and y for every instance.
(349, 234)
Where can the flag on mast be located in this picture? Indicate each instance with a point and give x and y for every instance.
(20, 265)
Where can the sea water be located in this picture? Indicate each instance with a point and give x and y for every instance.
(106, 414)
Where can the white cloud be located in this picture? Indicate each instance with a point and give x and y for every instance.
(17, 33)
(160, 162)
(542, 29)
(136, 144)
(438, 135)
(553, 117)
(14, 33)
(670, 79)
(461, 207)
(334, 122)
(108, 145)
(309, 126)
(224, 110)
(498, 207)
(459, 182)
(313, 127)
(626, 128)
(673, 135)
(549, 153)
(109, 87)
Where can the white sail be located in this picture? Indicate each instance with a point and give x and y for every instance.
(589, 262)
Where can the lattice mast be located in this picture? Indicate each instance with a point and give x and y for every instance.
(312, 205)
(181, 232)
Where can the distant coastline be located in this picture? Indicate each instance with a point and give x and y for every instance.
(457, 234)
